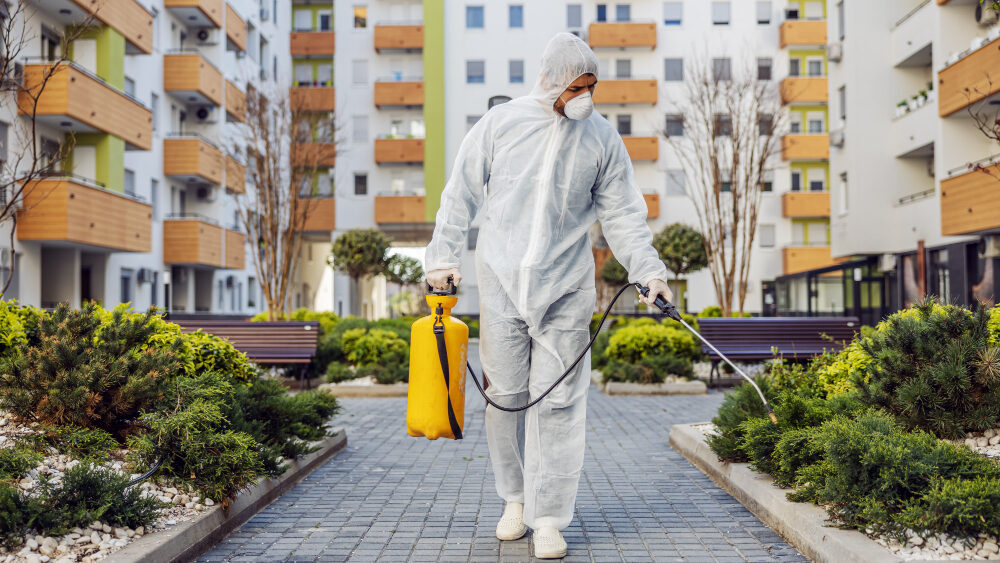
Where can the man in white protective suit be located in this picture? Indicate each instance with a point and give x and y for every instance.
(541, 169)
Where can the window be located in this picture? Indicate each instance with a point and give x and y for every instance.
(624, 125)
(795, 123)
(843, 192)
(602, 12)
(767, 182)
(130, 86)
(765, 124)
(4, 130)
(675, 125)
(676, 183)
(517, 72)
(126, 287)
(129, 182)
(324, 74)
(154, 106)
(361, 184)
(720, 13)
(673, 13)
(359, 71)
(623, 12)
(767, 236)
(815, 123)
(725, 181)
(516, 16)
(721, 69)
(817, 179)
(840, 19)
(251, 292)
(219, 291)
(473, 238)
(302, 20)
(325, 21)
(763, 13)
(359, 128)
(814, 10)
(475, 72)
(796, 181)
(360, 17)
(154, 197)
(673, 70)
(815, 67)
(154, 289)
(842, 98)
(470, 122)
(623, 68)
(764, 68)
(574, 16)
(794, 66)
(474, 17)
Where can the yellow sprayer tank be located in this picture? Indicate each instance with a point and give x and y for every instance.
(433, 409)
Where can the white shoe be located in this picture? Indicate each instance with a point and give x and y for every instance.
(511, 525)
(549, 543)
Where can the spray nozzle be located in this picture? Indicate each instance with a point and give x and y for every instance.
(665, 307)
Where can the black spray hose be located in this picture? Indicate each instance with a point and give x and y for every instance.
(666, 308)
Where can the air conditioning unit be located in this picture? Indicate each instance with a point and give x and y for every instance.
(145, 275)
(986, 15)
(205, 36)
(989, 247)
(205, 193)
(835, 52)
(13, 79)
(264, 14)
(837, 138)
(205, 114)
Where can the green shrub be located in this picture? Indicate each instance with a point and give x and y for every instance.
(337, 372)
(636, 341)
(374, 346)
(994, 326)
(739, 405)
(13, 332)
(203, 353)
(691, 320)
(758, 441)
(960, 507)
(92, 444)
(796, 450)
(711, 311)
(651, 369)
(16, 462)
(14, 515)
(598, 352)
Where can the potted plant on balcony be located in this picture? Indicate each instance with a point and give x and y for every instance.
(902, 108)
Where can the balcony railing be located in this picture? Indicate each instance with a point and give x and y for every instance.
(313, 98)
(193, 158)
(128, 17)
(236, 103)
(627, 91)
(399, 93)
(652, 205)
(814, 146)
(194, 240)
(321, 215)
(622, 34)
(642, 147)
(969, 201)
(197, 13)
(399, 36)
(236, 30)
(805, 204)
(970, 80)
(399, 151)
(310, 43)
(399, 209)
(802, 258)
(800, 33)
(190, 76)
(804, 90)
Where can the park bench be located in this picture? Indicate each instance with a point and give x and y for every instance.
(795, 338)
(266, 343)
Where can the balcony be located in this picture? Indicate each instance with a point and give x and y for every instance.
(236, 31)
(314, 155)
(652, 205)
(399, 37)
(197, 13)
(911, 38)
(236, 103)
(321, 216)
(190, 77)
(236, 250)
(71, 210)
(622, 34)
(802, 33)
(236, 176)
(389, 93)
(804, 90)
(75, 100)
(399, 151)
(642, 148)
(192, 159)
(309, 44)
(192, 240)
(914, 132)
(801, 205)
(626, 91)
(399, 209)
(969, 80)
(310, 98)
(127, 17)
(797, 259)
(969, 202)
(814, 146)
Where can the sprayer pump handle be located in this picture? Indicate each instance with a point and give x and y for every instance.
(452, 288)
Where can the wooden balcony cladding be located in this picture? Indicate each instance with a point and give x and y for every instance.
(814, 146)
(192, 241)
(804, 90)
(399, 150)
(66, 210)
(197, 12)
(312, 43)
(802, 33)
(74, 95)
(236, 30)
(192, 158)
(805, 204)
(642, 148)
(321, 215)
(969, 202)
(399, 37)
(318, 155)
(797, 259)
(236, 176)
(312, 99)
(193, 77)
(652, 205)
(236, 250)
(399, 209)
(389, 93)
(127, 17)
(622, 34)
(236, 103)
(970, 80)
(631, 91)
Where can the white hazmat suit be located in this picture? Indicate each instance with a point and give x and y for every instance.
(540, 180)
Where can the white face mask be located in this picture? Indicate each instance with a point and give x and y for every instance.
(579, 107)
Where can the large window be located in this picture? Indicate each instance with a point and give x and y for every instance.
(516, 72)
(623, 12)
(4, 131)
(766, 236)
(474, 17)
(359, 128)
(516, 16)
(126, 284)
(842, 98)
(361, 183)
(673, 13)
(624, 125)
(675, 125)
(360, 17)
(764, 68)
(574, 16)
(623, 69)
(673, 70)
(722, 69)
(815, 67)
(794, 66)
(763, 13)
(475, 72)
(720, 13)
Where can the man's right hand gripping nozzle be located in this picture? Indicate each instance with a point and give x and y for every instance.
(438, 279)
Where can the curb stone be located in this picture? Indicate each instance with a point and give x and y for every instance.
(377, 390)
(695, 387)
(187, 540)
(801, 524)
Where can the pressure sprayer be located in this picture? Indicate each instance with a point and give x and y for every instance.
(435, 405)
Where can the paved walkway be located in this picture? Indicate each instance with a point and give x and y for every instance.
(390, 497)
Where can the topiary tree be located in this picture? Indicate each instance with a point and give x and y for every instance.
(613, 273)
(359, 253)
(682, 249)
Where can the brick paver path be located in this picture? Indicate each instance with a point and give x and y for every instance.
(390, 497)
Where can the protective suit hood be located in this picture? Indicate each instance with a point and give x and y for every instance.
(566, 58)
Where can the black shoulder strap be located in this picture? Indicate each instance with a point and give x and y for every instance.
(456, 430)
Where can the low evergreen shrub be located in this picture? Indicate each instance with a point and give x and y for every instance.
(651, 369)
(637, 340)
(91, 444)
(337, 372)
(960, 507)
(738, 406)
(16, 462)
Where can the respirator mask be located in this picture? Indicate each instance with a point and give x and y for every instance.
(579, 107)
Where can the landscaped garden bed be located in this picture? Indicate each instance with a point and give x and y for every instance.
(891, 436)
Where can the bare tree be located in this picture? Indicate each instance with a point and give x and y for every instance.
(25, 161)
(732, 123)
(985, 116)
(285, 144)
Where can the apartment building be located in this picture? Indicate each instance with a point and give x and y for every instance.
(912, 212)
